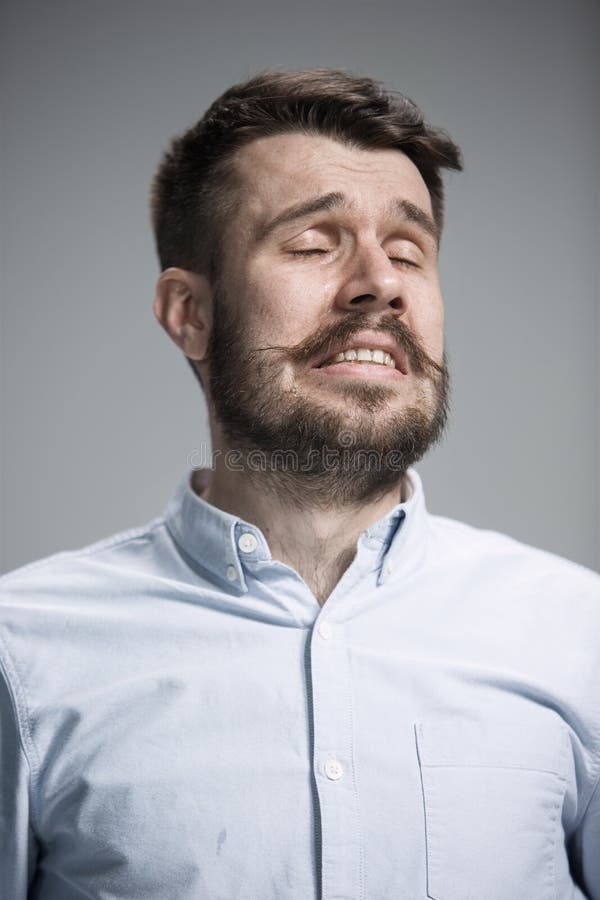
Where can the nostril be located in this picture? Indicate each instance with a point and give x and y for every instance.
(396, 303)
(362, 297)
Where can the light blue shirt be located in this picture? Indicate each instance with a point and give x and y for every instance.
(181, 720)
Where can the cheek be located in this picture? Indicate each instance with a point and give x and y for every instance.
(429, 327)
(284, 303)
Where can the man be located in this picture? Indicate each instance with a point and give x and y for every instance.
(297, 682)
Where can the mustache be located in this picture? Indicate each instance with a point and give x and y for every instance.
(328, 338)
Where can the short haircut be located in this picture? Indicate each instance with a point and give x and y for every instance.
(193, 192)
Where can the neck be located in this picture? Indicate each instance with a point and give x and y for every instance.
(316, 539)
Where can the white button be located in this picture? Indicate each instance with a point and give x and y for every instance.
(388, 564)
(325, 630)
(333, 769)
(247, 543)
(231, 573)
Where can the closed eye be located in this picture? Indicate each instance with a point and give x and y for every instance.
(307, 252)
(313, 251)
(404, 262)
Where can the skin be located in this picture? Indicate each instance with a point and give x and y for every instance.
(371, 259)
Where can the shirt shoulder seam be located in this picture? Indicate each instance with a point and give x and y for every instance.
(18, 696)
(594, 788)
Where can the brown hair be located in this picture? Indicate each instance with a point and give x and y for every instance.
(193, 190)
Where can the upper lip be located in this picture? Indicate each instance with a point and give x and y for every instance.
(374, 341)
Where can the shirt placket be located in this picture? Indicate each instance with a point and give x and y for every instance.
(341, 843)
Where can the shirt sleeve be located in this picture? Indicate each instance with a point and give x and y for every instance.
(18, 850)
(586, 847)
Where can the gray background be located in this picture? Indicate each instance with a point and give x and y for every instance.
(100, 412)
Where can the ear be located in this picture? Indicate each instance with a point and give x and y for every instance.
(183, 306)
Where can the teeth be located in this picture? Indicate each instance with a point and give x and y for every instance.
(363, 354)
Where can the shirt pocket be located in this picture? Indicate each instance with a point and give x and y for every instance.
(493, 793)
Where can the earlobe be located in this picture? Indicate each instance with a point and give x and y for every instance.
(183, 306)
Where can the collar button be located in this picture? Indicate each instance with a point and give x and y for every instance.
(247, 543)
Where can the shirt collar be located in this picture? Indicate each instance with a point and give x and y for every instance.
(406, 528)
(211, 537)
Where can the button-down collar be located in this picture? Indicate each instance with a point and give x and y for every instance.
(224, 544)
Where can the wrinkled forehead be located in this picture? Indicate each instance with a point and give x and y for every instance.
(281, 170)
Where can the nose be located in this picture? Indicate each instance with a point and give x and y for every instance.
(372, 282)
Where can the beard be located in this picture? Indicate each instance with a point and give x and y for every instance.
(307, 447)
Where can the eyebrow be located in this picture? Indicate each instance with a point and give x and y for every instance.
(404, 209)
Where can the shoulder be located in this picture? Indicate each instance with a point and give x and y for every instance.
(70, 571)
(488, 551)
(75, 604)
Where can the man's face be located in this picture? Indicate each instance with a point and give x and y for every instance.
(331, 249)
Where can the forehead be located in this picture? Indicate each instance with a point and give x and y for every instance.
(281, 170)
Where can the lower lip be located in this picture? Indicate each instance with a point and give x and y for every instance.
(361, 370)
